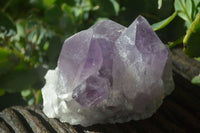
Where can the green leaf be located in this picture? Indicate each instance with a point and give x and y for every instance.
(196, 80)
(48, 3)
(67, 8)
(7, 60)
(196, 2)
(184, 9)
(53, 14)
(106, 8)
(7, 27)
(188, 6)
(25, 93)
(77, 12)
(21, 24)
(196, 8)
(4, 53)
(116, 6)
(32, 96)
(192, 39)
(2, 92)
(18, 80)
(37, 3)
(28, 96)
(42, 4)
(159, 4)
(41, 34)
(164, 23)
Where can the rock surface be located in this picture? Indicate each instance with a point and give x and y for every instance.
(108, 74)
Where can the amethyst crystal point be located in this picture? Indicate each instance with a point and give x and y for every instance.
(138, 66)
(109, 73)
(85, 62)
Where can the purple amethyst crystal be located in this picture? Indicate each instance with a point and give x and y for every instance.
(109, 73)
(86, 62)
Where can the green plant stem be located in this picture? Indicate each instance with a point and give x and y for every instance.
(6, 5)
(175, 43)
(185, 11)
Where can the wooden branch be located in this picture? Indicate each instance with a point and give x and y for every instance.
(183, 65)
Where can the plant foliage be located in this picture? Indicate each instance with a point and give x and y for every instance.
(189, 11)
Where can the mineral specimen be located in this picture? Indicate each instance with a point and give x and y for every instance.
(108, 74)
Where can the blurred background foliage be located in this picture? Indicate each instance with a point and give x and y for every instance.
(32, 33)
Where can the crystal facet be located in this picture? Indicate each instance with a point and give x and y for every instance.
(109, 73)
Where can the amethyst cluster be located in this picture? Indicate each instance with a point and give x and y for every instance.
(109, 73)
